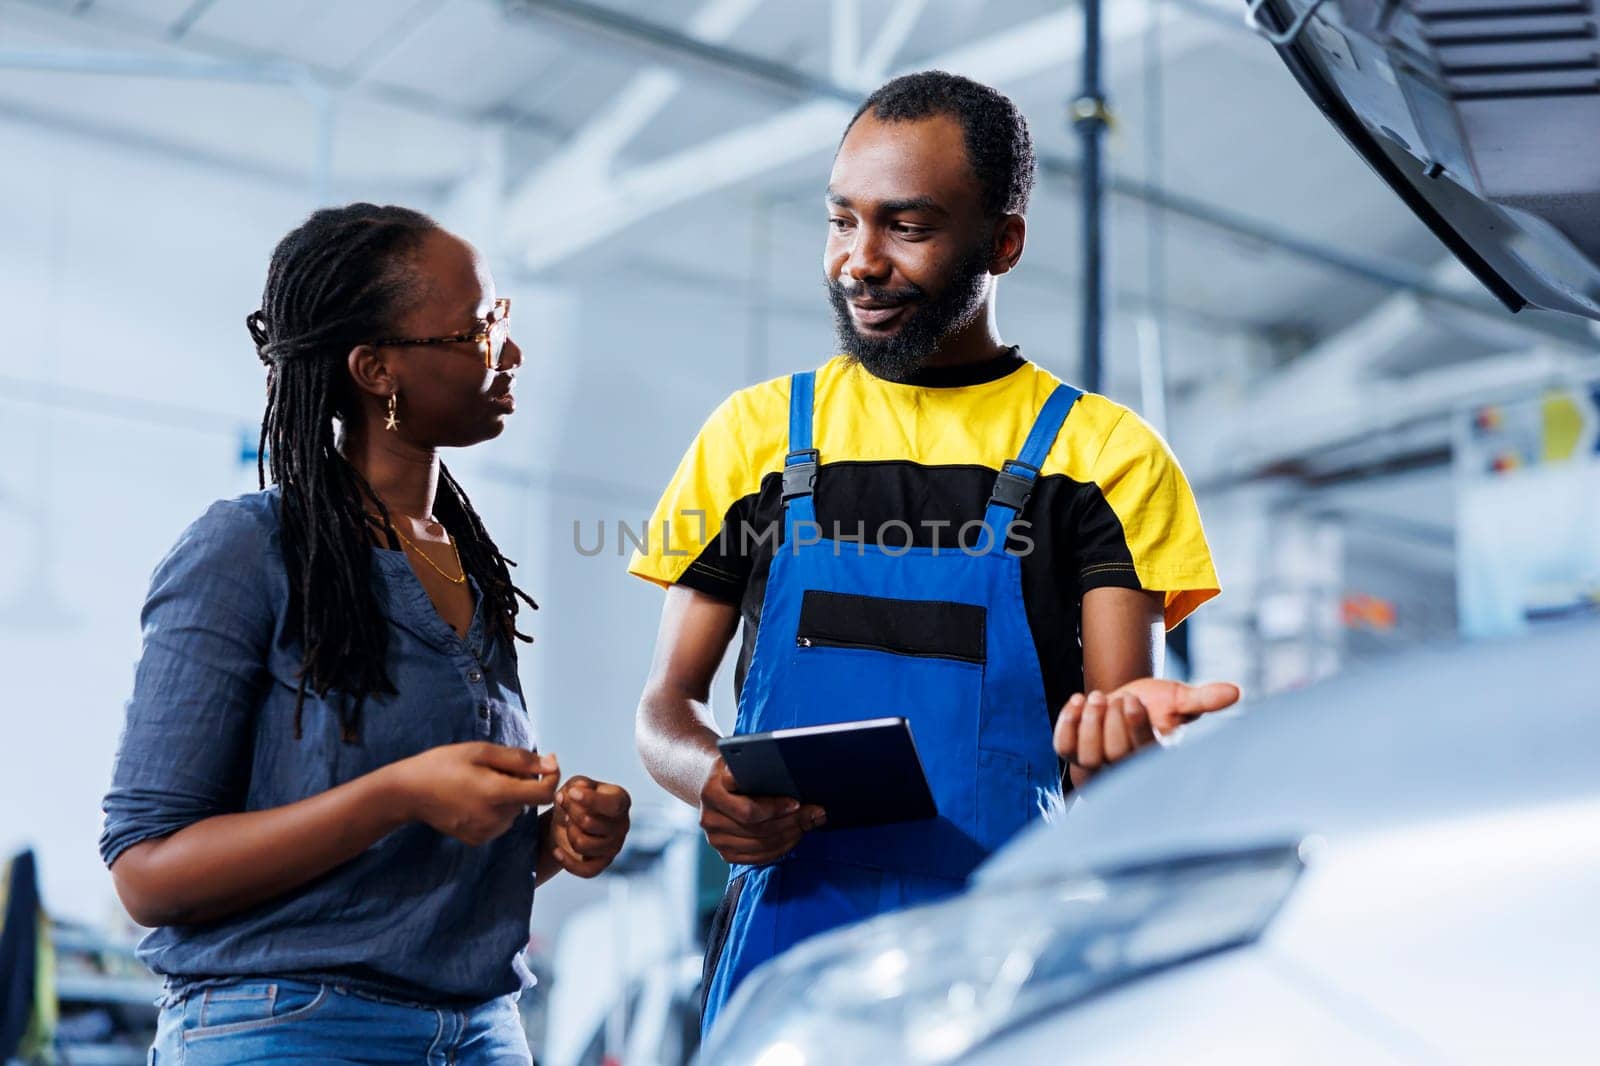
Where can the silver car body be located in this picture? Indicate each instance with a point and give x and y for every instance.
(1446, 806)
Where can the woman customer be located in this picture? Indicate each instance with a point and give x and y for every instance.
(326, 795)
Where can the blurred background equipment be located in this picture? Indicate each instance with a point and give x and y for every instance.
(27, 1007)
(628, 967)
(1385, 456)
(68, 994)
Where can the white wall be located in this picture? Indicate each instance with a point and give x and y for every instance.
(128, 393)
(128, 390)
(128, 386)
(648, 363)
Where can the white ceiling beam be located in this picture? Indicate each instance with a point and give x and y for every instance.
(587, 159)
(844, 51)
(591, 213)
(474, 204)
(391, 40)
(49, 16)
(192, 14)
(892, 36)
(645, 190)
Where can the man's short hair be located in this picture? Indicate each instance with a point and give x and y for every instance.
(998, 145)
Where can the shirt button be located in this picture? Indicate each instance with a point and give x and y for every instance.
(483, 710)
(474, 676)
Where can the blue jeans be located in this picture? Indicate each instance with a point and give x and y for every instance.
(259, 1020)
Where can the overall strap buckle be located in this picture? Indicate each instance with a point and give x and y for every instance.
(799, 473)
(1014, 485)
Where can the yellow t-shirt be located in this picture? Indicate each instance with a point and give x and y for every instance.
(914, 463)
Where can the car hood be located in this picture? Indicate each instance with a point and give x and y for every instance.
(1480, 116)
(1436, 734)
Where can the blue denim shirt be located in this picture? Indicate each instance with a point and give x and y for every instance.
(210, 730)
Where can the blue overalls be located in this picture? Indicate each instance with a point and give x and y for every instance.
(950, 650)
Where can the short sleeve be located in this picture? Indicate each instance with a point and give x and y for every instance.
(695, 536)
(184, 754)
(1148, 535)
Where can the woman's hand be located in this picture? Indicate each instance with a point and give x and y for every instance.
(588, 825)
(474, 791)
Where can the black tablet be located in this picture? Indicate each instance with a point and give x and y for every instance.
(861, 773)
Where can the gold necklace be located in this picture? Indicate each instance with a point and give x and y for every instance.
(462, 580)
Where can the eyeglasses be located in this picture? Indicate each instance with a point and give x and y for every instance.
(490, 336)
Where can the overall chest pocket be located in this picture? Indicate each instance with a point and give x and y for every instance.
(921, 629)
(858, 657)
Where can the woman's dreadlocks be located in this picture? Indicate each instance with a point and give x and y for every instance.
(336, 282)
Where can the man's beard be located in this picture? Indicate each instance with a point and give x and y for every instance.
(908, 349)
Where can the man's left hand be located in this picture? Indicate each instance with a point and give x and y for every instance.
(588, 825)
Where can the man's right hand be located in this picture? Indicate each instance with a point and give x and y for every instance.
(474, 791)
(752, 830)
